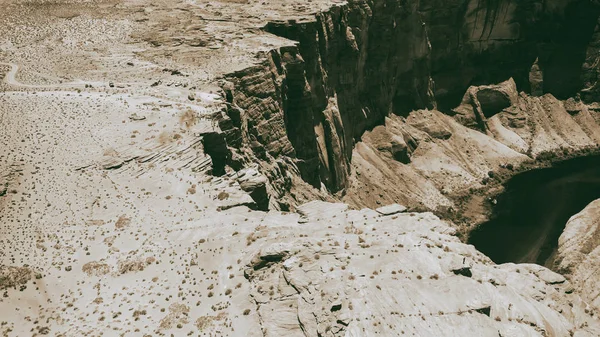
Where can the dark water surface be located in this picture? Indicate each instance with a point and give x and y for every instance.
(533, 211)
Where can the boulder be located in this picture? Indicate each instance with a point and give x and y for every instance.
(391, 209)
(392, 145)
(254, 183)
(482, 102)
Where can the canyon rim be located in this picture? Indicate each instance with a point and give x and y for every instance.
(300, 168)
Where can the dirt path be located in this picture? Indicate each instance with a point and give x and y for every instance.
(10, 78)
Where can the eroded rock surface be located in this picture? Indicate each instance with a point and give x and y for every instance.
(356, 63)
(437, 161)
(578, 255)
(371, 274)
(138, 139)
(251, 273)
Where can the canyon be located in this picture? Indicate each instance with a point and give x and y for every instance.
(315, 168)
(534, 210)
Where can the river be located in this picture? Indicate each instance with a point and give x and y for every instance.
(531, 214)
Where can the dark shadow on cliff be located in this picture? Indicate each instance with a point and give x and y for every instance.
(562, 46)
(531, 214)
(559, 40)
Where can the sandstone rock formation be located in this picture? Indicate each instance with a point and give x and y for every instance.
(356, 63)
(578, 256)
(483, 102)
(438, 162)
(402, 274)
(268, 168)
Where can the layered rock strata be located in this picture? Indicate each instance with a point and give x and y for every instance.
(356, 64)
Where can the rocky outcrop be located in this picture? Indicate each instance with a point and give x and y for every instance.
(355, 64)
(443, 163)
(483, 102)
(536, 80)
(542, 126)
(451, 165)
(578, 255)
(398, 274)
(255, 184)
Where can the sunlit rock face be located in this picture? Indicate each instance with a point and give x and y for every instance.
(578, 253)
(393, 274)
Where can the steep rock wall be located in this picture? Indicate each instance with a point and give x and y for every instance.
(357, 63)
(352, 66)
(481, 42)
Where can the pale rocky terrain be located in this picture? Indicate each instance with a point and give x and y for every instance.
(578, 255)
(189, 168)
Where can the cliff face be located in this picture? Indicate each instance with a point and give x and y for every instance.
(483, 42)
(591, 68)
(355, 64)
(352, 66)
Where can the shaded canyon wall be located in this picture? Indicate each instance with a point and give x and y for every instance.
(303, 107)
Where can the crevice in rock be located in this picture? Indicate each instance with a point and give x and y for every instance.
(215, 145)
(530, 215)
(492, 101)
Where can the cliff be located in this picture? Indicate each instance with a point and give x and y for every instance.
(355, 64)
(151, 153)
